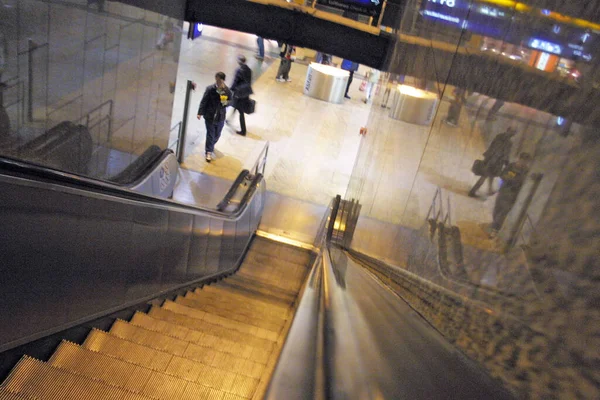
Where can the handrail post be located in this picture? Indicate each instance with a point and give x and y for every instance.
(333, 217)
(181, 144)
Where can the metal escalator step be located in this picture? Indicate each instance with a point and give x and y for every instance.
(284, 292)
(41, 380)
(233, 306)
(185, 367)
(75, 358)
(221, 289)
(242, 305)
(219, 320)
(149, 338)
(201, 339)
(6, 395)
(243, 300)
(211, 329)
(253, 321)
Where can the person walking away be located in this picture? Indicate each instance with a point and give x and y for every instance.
(351, 67)
(455, 107)
(212, 107)
(242, 89)
(495, 158)
(372, 79)
(261, 48)
(494, 110)
(286, 55)
(513, 177)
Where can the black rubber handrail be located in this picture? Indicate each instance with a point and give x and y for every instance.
(26, 170)
(234, 187)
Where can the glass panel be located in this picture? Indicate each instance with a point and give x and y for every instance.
(84, 80)
(499, 236)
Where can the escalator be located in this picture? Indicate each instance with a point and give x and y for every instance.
(215, 342)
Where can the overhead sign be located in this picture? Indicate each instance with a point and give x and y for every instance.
(365, 7)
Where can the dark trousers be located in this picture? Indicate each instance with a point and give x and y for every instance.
(284, 69)
(242, 120)
(349, 82)
(504, 203)
(213, 133)
(479, 182)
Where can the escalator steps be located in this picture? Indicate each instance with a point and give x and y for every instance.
(212, 343)
(40, 380)
(174, 318)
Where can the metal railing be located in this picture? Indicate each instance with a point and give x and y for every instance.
(261, 162)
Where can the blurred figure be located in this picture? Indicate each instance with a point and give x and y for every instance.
(99, 4)
(372, 79)
(495, 158)
(167, 35)
(494, 110)
(242, 89)
(513, 177)
(261, 48)
(212, 106)
(351, 67)
(286, 54)
(455, 107)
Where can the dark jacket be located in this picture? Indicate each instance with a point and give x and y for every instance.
(513, 177)
(496, 157)
(211, 106)
(242, 82)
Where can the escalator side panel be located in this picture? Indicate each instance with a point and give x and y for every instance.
(227, 254)
(213, 248)
(70, 254)
(177, 246)
(197, 260)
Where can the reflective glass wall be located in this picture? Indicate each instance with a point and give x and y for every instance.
(87, 86)
(478, 178)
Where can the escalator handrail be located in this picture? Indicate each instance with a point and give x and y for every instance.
(234, 187)
(150, 166)
(32, 172)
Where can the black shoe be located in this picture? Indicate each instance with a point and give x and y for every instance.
(471, 194)
(347, 97)
(241, 133)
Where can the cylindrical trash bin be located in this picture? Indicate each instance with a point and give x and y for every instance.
(326, 83)
(413, 105)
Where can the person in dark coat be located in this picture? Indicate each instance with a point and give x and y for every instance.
(212, 107)
(242, 89)
(513, 177)
(495, 158)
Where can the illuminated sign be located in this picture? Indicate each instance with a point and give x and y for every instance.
(195, 30)
(545, 46)
(366, 7)
(449, 3)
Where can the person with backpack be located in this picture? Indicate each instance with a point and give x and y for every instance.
(242, 89)
(495, 158)
(212, 107)
(286, 54)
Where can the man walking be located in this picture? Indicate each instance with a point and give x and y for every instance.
(351, 67)
(513, 178)
(495, 158)
(212, 106)
(242, 89)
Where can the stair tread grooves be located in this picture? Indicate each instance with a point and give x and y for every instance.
(219, 320)
(236, 315)
(149, 338)
(155, 382)
(212, 312)
(7, 395)
(224, 290)
(244, 304)
(252, 290)
(205, 340)
(161, 361)
(39, 379)
(236, 306)
(272, 289)
(207, 327)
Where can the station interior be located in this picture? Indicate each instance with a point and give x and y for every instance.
(412, 213)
